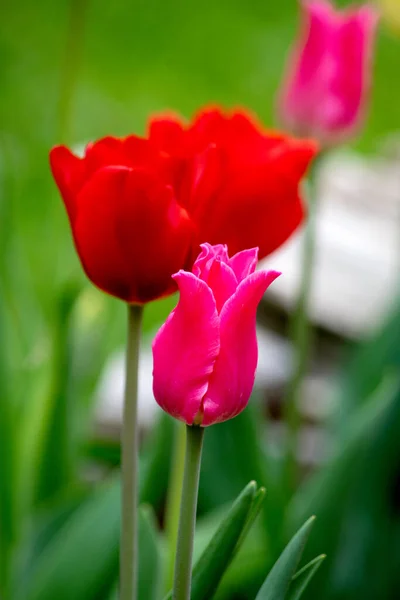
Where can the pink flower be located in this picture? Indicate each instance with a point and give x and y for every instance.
(329, 71)
(205, 354)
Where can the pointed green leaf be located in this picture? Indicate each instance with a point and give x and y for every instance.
(276, 585)
(57, 445)
(149, 556)
(254, 510)
(303, 577)
(224, 544)
(8, 463)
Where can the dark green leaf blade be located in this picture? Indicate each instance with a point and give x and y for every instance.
(82, 560)
(55, 466)
(276, 585)
(224, 544)
(303, 577)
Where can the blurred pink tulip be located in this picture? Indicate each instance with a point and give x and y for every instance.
(205, 355)
(329, 72)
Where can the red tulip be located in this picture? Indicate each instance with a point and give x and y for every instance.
(139, 208)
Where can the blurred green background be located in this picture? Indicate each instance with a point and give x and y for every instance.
(75, 71)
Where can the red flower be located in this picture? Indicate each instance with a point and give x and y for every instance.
(139, 208)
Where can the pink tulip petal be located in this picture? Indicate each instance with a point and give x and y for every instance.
(232, 379)
(185, 350)
(208, 254)
(222, 282)
(349, 86)
(244, 263)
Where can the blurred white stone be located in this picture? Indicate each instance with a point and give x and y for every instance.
(314, 443)
(357, 249)
(111, 391)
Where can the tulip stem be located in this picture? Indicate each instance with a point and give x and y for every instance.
(130, 449)
(187, 520)
(301, 334)
(173, 499)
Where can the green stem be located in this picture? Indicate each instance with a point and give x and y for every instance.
(187, 521)
(301, 333)
(130, 449)
(173, 499)
(72, 60)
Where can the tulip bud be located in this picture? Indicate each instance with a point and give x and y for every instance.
(329, 71)
(205, 355)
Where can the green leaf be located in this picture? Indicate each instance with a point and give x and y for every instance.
(369, 363)
(303, 577)
(253, 513)
(227, 467)
(8, 466)
(356, 497)
(55, 463)
(277, 583)
(149, 556)
(224, 544)
(82, 559)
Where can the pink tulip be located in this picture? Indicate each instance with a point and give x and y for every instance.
(328, 79)
(205, 354)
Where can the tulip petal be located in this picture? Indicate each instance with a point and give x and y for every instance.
(349, 86)
(222, 282)
(202, 180)
(233, 375)
(96, 233)
(131, 234)
(166, 133)
(260, 205)
(155, 233)
(244, 263)
(208, 254)
(185, 350)
(69, 173)
(106, 152)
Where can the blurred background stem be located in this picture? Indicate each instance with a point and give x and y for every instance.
(187, 520)
(301, 335)
(130, 450)
(70, 68)
(173, 499)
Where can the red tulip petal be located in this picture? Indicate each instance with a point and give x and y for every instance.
(155, 233)
(166, 133)
(106, 152)
(259, 206)
(69, 173)
(96, 232)
(131, 234)
(203, 179)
